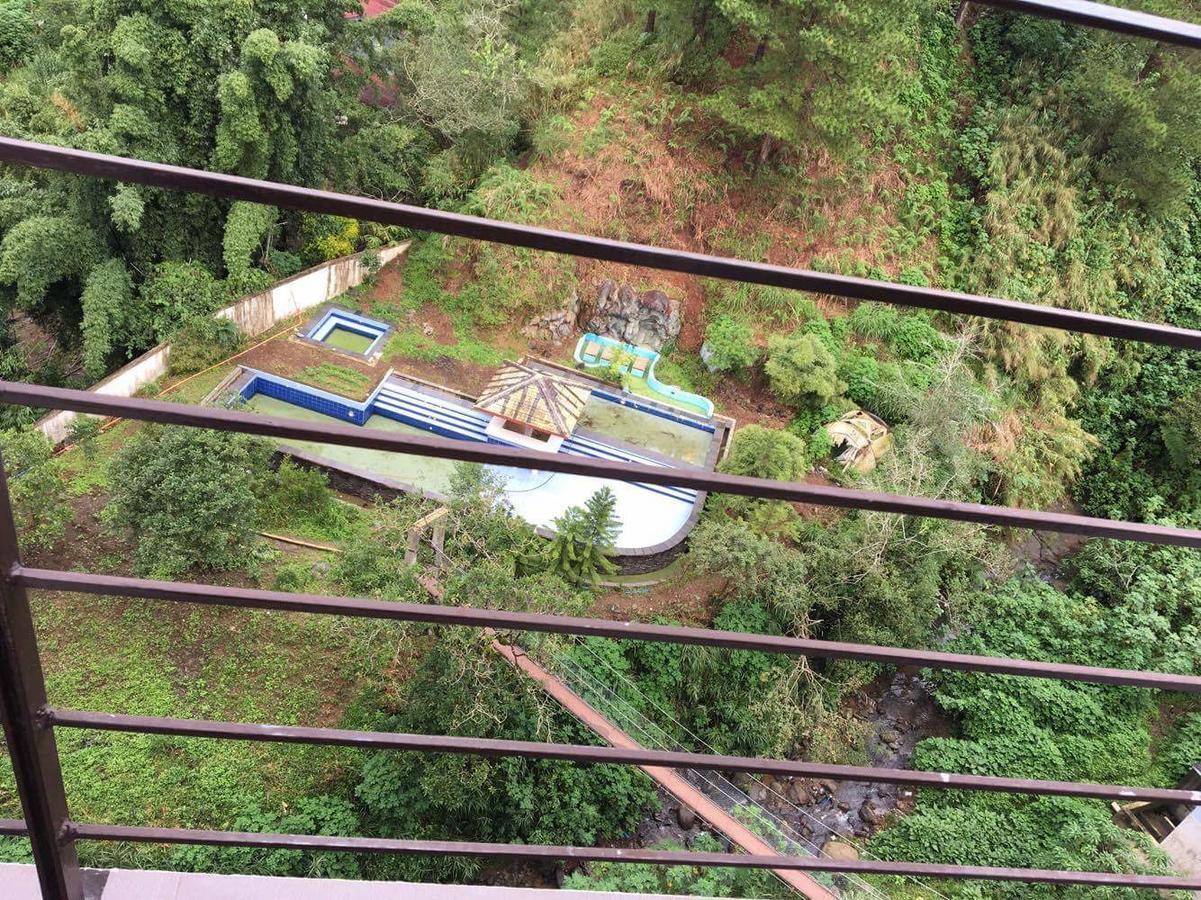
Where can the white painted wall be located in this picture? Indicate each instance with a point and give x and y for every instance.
(1183, 845)
(254, 314)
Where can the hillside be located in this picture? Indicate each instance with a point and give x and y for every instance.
(930, 143)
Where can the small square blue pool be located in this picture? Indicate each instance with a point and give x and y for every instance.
(348, 332)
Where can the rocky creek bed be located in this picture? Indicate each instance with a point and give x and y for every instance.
(833, 816)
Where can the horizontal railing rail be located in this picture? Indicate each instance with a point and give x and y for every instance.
(1108, 18)
(514, 234)
(583, 753)
(496, 454)
(470, 616)
(546, 853)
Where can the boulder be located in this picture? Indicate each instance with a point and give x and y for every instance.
(555, 326)
(645, 318)
(840, 851)
(799, 794)
(685, 816)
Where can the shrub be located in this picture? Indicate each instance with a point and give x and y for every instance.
(821, 444)
(461, 688)
(83, 433)
(707, 882)
(201, 342)
(16, 31)
(299, 498)
(876, 321)
(39, 494)
(802, 370)
(324, 815)
(730, 345)
(916, 339)
(178, 292)
(283, 264)
(189, 496)
(766, 453)
(328, 237)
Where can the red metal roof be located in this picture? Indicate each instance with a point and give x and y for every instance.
(373, 8)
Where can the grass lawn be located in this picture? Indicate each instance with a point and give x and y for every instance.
(158, 658)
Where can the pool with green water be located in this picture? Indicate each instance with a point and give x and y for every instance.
(420, 471)
(345, 339)
(643, 429)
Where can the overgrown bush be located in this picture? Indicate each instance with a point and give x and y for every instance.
(39, 494)
(298, 499)
(1127, 608)
(692, 880)
(461, 688)
(201, 342)
(730, 345)
(188, 497)
(801, 370)
(765, 453)
(323, 815)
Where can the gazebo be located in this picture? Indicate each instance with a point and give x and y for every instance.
(531, 408)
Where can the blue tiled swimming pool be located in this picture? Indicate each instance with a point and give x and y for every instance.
(650, 514)
(349, 332)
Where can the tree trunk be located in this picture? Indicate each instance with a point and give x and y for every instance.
(765, 148)
(651, 16)
(700, 20)
(961, 16)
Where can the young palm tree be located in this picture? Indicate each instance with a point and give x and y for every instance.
(584, 539)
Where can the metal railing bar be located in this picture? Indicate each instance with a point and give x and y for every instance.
(13, 828)
(140, 834)
(581, 753)
(32, 750)
(1108, 18)
(255, 598)
(178, 178)
(495, 454)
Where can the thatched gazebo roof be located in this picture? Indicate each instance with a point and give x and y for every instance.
(529, 397)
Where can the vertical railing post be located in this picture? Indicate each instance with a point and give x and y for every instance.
(30, 737)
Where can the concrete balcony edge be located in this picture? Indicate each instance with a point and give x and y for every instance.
(19, 882)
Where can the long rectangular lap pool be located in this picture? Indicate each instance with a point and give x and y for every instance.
(652, 516)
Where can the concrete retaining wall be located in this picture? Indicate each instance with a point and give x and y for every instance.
(255, 315)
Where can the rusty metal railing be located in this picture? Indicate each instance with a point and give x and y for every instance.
(30, 722)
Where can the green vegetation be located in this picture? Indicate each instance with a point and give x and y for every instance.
(731, 345)
(338, 379)
(691, 880)
(190, 496)
(202, 342)
(999, 154)
(35, 486)
(1059, 730)
(583, 541)
(802, 370)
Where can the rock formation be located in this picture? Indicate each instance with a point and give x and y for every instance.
(647, 318)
